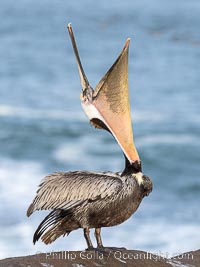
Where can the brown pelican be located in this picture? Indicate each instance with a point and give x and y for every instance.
(82, 199)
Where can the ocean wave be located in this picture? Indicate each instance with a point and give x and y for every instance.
(70, 152)
(18, 181)
(149, 116)
(142, 235)
(24, 112)
(57, 114)
(18, 184)
(168, 139)
(173, 237)
(87, 153)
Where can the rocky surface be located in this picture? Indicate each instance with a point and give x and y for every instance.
(111, 258)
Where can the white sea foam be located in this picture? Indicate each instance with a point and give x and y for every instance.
(156, 236)
(18, 184)
(71, 152)
(18, 179)
(25, 112)
(164, 239)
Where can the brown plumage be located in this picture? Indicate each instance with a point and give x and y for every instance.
(87, 200)
(82, 199)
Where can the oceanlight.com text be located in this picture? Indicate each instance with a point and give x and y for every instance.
(121, 255)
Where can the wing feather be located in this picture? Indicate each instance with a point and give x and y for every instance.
(66, 190)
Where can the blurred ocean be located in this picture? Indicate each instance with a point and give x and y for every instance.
(43, 128)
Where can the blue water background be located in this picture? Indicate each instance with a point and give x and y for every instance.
(43, 128)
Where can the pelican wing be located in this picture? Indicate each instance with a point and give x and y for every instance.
(73, 189)
(108, 105)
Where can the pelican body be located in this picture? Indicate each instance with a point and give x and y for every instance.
(82, 199)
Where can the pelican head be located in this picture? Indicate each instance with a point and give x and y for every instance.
(107, 106)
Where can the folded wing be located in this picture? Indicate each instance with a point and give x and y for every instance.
(73, 189)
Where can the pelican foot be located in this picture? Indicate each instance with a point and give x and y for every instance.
(109, 250)
(105, 249)
(102, 250)
(90, 248)
(112, 248)
(99, 249)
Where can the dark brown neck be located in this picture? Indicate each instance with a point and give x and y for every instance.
(130, 168)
